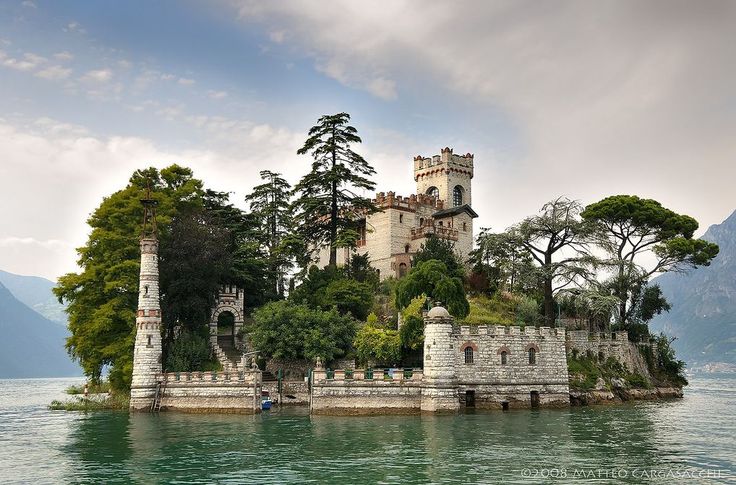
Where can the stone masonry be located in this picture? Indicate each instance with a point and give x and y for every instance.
(147, 351)
(440, 207)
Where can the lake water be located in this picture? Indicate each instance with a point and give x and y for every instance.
(690, 440)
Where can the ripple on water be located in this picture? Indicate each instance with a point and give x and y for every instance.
(38, 445)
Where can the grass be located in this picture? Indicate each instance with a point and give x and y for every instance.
(92, 388)
(96, 403)
(490, 311)
(585, 371)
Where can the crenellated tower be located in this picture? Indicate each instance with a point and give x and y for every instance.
(147, 351)
(439, 387)
(446, 176)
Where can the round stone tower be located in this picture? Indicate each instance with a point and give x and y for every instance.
(147, 350)
(439, 384)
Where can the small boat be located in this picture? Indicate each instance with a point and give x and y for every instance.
(266, 403)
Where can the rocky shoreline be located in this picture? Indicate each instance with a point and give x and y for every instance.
(618, 395)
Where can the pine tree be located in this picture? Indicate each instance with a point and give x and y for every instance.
(327, 207)
(269, 205)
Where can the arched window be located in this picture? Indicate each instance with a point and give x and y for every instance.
(532, 356)
(468, 355)
(406, 248)
(504, 358)
(442, 223)
(421, 221)
(457, 196)
(402, 270)
(434, 192)
(401, 218)
(465, 226)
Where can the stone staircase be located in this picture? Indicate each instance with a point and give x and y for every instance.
(226, 353)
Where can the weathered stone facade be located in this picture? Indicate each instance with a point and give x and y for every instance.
(211, 392)
(440, 207)
(608, 344)
(147, 350)
(486, 367)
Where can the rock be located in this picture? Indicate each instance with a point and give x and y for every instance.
(600, 384)
(618, 383)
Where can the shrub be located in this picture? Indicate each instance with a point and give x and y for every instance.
(381, 346)
(189, 352)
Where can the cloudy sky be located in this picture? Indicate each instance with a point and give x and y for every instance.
(584, 99)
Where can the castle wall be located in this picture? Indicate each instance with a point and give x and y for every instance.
(200, 392)
(608, 344)
(513, 382)
(358, 395)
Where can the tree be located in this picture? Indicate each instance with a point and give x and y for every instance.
(443, 250)
(378, 345)
(556, 239)
(287, 330)
(270, 206)
(432, 278)
(506, 264)
(329, 288)
(327, 207)
(630, 230)
(102, 298)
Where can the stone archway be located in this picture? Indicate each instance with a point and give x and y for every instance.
(229, 308)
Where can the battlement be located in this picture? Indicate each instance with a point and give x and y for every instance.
(586, 336)
(558, 334)
(447, 159)
(390, 200)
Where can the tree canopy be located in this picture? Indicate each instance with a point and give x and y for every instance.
(328, 207)
(630, 228)
(433, 279)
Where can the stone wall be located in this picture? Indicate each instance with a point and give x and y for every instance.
(494, 383)
(608, 344)
(201, 392)
(293, 392)
(356, 394)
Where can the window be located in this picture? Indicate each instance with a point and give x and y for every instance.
(465, 226)
(421, 221)
(145, 290)
(406, 248)
(434, 192)
(457, 196)
(504, 357)
(442, 223)
(149, 344)
(468, 355)
(401, 218)
(532, 356)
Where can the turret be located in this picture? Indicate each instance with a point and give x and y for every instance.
(147, 350)
(439, 386)
(445, 176)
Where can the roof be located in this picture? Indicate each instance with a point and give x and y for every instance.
(455, 210)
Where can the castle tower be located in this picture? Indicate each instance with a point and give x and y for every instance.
(147, 352)
(446, 176)
(439, 384)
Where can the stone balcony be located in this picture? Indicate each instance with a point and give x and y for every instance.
(439, 231)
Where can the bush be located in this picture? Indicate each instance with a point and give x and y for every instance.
(432, 278)
(287, 330)
(378, 345)
(189, 352)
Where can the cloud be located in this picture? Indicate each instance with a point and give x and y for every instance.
(277, 36)
(74, 27)
(29, 61)
(217, 94)
(54, 73)
(98, 76)
(64, 56)
(598, 97)
(185, 81)
(28, 4)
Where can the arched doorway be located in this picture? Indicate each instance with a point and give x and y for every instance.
(226, 326)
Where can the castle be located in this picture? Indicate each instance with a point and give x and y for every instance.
(481, 366)
(440, 207)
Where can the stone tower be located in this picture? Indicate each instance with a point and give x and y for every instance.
(439, 385)
(147, 352)
(446, 176)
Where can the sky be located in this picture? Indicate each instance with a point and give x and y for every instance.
(575, 98)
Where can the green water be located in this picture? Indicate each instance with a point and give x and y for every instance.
(611, 444)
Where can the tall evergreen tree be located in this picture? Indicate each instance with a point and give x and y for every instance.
(269, 205)
(327, 207)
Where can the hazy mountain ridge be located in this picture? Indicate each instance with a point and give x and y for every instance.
(35, 292)
(31, 345)
(703, 315)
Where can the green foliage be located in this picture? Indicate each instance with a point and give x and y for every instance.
(501, 264)
(412, 328)
(662, 363)
(329, 287)
(432, 278)
(92, 388)
(436, 248)
(287, 330)
(378, 345)
(327, 209)
(631, 229)
(189, 352)
(270, 208)
(500, 309)
(527, 312)
(359, 269)
(113, 402)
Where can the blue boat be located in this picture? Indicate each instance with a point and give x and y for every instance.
(266, 403)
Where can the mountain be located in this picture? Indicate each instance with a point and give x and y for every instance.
(36, 293)
(31, 345)
(703, 315)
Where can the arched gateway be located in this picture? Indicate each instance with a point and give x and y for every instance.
(228, 310)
